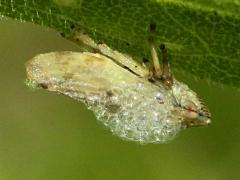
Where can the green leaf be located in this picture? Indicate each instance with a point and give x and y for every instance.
(203, 37)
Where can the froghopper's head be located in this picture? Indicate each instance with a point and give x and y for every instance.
(189, 107)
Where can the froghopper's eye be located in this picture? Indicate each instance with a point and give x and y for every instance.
(190, 106)
(191, 110)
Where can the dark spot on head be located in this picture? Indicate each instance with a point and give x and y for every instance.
(200, 114)
(136, 66)
(127, 43)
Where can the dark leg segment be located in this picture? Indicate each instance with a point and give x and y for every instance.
(166, 72)
(160, 72)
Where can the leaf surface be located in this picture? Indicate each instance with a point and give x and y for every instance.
(203, 37)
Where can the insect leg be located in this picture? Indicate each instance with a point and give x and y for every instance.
(160, 72)
(121, 59)
(166, 72)
(157, 69)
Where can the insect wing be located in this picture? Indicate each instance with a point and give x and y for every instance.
(82, 73)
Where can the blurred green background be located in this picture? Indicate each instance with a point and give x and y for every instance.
(45, 136)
